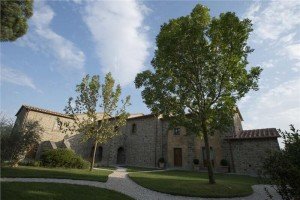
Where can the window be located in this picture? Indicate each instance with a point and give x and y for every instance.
(176, 131)
(133, 128)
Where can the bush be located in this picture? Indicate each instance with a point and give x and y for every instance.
(196, 161)
(161, 160)
(224, 162)
(283, 167)
(63, 158)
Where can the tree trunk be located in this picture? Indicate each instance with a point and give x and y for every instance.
(94, 154)
(207, 151)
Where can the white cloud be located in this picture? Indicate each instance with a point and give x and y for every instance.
(277, 107)
(120, 36)
(16, 77)
(293, 51)
(275, 20)
(44, 38)
(276, 40)
(268, 64)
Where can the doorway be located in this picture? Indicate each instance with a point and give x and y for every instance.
(177, 157)
(121, 156)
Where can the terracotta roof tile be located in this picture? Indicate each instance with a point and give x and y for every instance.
(257, 133)
(44, 111)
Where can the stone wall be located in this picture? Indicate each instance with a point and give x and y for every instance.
(191, 146)
(49, 123)
(249, 154)
(153, 140)
(142, 148)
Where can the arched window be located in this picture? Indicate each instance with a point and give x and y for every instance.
(133, 129)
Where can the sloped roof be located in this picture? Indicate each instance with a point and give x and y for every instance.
(28, 107)
(257, 134)
(41, 110)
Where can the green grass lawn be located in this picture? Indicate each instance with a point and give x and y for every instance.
(138, 169)
(195, 183)
(55, 191)
(41, 172)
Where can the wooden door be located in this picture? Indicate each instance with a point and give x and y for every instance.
(177, 157)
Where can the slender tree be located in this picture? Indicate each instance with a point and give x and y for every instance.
(14, 16)
(92, 97)
(199, 73)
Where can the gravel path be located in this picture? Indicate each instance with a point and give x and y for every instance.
(119, 181)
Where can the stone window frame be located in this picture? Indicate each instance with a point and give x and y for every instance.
(133, 128)
(176, 131)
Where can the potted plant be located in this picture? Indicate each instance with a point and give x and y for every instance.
(224, 166)
(161, 163)
(196, 164)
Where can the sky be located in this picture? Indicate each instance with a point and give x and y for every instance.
(68, 39)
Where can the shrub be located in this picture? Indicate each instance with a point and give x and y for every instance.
(161, 160)
(196, 161)
(63, 158)
(283, 167)
(224, 162)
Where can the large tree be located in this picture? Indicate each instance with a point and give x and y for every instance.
(14, 16)
(199, 73)
(93, 97)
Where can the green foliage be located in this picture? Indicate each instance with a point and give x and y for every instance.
(21, 140)
(14, 16)
(6, 127)
(199, 68)
(283, 167)
(92, 97)
(224, 162)
(63, 158)
(199, 72)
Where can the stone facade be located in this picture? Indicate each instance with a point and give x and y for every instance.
(249, 154)
(146, 138)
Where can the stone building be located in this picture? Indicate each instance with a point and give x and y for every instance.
(146, 138)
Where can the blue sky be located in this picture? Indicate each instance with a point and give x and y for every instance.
(67, 39)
